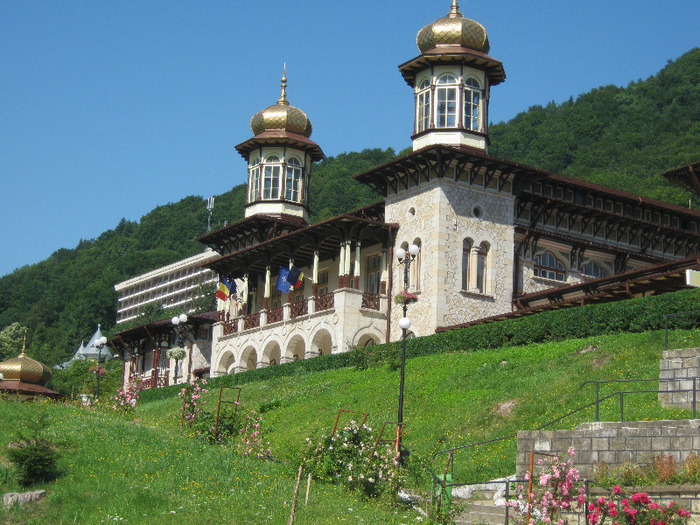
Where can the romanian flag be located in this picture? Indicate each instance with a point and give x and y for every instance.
(224, 289)
(296, 277)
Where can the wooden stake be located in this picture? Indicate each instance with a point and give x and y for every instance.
(308, 489)
(296, 495)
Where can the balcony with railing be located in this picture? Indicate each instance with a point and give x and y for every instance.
(349, 300)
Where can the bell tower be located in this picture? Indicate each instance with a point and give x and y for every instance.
(451, 80)
(279, 157)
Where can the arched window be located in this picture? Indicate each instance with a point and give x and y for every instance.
(472, 103)
(548, 266)
(466, 251)
(447, 101)
(423, 106)
(593, 269)
(271, 178)
(481, 267)
(292, 181)
(254, 180)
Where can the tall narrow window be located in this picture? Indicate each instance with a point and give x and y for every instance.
(415, 274)
(481, 266)
(466, 249)
(254, 184)
(447, 102)
(323, 281)
(374, 273)
(548, 266)
(271, 178)
(423, 106)
(292, 181)
(472, 102)
(593, 269)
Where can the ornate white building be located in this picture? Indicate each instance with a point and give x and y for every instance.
(495, 238)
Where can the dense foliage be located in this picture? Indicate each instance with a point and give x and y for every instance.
(622, 137)
(618, 136)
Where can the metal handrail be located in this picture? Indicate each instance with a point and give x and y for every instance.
(620, 393)
(598, 382)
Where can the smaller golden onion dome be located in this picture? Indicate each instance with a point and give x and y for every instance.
(25, 369)
(281, 116)
(453, 30)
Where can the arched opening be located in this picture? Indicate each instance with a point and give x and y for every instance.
(271, 354)
(226, 363)
(249, 359)
(295, 349)
(322, 343)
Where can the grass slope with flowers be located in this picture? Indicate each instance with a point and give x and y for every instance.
(143, 469)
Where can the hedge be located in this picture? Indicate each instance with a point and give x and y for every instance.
(632, 315)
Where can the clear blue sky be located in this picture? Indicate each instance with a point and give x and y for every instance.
(108, 109)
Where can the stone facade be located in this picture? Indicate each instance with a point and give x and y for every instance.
(440, 216)
(613, 443)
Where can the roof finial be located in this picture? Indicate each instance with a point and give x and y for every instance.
(454, 11)
(283, 96)
(24, 344)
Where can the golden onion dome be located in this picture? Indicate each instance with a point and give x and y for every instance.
(25, 369)
(453, 30)
(281, 116)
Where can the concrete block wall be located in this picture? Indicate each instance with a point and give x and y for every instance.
(614, 443)
(678, 367)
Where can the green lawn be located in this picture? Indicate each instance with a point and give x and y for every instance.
(145, 470)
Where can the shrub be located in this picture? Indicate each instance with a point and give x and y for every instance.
(191, 395)
(637, 510)
(251, 443)
(348, 458)
(33, 456)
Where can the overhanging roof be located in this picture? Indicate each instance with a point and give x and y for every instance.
(686, 176)
(366, 224)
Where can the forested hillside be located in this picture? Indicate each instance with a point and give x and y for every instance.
(619, 137)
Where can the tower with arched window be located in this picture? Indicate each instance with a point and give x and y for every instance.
(279, 157)
(451, 79)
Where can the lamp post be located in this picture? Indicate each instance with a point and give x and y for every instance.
(100, 344)
(178, 322)
(404, 324)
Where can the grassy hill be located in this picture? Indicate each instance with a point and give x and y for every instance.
(145, 469)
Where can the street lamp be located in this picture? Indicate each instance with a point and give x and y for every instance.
(99, 344)
(178, 321)
(404, 324)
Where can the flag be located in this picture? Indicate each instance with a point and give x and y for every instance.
(224, 288)
(296, 277)
(282, 282)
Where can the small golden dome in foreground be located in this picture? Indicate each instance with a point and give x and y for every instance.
(25, 369)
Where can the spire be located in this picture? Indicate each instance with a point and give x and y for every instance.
(24, 345)
(454, 11)
(283, 96)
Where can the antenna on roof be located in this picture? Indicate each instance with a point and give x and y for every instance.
(210, 209)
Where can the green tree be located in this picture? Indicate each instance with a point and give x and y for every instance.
(11, 338)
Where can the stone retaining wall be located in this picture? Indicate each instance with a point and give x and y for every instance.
(678, 367)
(613, 443)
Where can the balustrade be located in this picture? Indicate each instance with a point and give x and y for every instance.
(275, 314)
(324, 302)
(298, 308)
(251, 321)
(371, 301)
